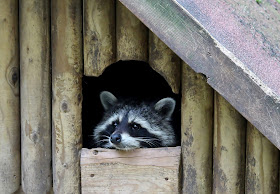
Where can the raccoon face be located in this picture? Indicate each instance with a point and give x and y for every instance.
(126, 125)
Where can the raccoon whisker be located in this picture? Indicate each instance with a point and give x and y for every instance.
(149, 141)
(151, 144)
(107, 146)
(105, 136)
(155, 140)
(147, 138)
(155, 143)
(103, 140)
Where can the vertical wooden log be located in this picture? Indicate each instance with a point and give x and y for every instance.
(35, 96)
(229, 148)
(165, 62)
(67, 94)
(132, 36)
(197, 132)
(9, 98)
(261, 164)
(99, 36)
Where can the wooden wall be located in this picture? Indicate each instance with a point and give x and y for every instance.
(40, 126)
(35, 96)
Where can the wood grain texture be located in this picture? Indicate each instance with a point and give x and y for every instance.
(153, 170)
(197, 107)
(67, 94)
(232, 78)
(99, 36)
(131, 34)
(165, 62)
(229, 148)
(35, 87)
(261, 164)
(9, 98)
(20, 191)
(249, 30)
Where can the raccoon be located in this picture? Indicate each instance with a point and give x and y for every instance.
(127, 124)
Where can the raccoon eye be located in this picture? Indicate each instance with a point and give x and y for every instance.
(135, 126)
(115, 124)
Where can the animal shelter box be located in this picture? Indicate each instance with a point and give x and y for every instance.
(58, 56)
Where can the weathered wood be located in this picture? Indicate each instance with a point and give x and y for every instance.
(20, 191)
(197, 132)
(99, 36)
(153, 170)
(131, 34)
(35, 96)
(67, 94)
(165, 62)
(9, 98)
(262, 164)
(229, 148)
(248, 29)
(231, 77)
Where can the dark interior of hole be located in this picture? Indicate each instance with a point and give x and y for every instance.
(133, 79)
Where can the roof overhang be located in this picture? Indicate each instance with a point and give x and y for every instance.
(235, 45)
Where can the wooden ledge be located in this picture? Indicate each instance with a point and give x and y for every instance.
(151, 170)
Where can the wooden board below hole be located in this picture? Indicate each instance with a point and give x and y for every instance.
(152, 170)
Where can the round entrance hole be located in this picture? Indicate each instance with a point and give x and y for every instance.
(125, 79)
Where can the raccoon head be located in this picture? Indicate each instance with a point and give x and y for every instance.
(128, 125)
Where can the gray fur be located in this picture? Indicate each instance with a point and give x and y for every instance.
(107, 99)
(166, 106)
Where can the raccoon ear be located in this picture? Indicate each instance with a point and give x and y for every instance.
(107, 99)
(165, 106)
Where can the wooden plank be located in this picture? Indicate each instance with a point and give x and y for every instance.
(35, 96)
(153, 170)
(197, 132)
(229, 148)
(9, 98)
(165, 62)
(67, 94)
(179, 30)
(132, 36)
(249, 30)
(262, 164)
(99, 36)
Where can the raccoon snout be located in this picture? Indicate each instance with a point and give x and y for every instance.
(116, 138)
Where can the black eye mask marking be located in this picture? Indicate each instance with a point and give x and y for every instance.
(135, 126)
(115, 124)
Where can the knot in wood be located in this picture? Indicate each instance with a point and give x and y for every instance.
(65, 165)
(79, 98)
(13, 77)
(34, 137)
(64, 106)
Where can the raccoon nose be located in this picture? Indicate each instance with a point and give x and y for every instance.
(116, 138)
